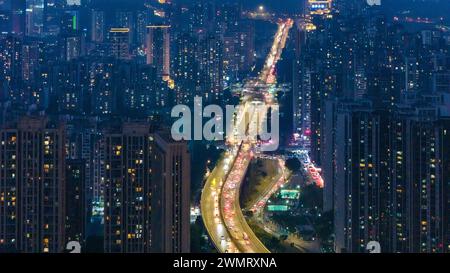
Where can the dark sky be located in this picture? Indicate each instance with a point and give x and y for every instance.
(425, 8)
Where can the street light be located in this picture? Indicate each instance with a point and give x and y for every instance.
(261, 8)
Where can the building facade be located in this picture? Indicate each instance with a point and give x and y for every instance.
(32, 187)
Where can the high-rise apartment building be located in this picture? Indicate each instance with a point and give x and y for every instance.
(390, 178)
(358, 186)
(171, 183)
(238, 50)
(128, 195)
(119, 39)
(5, 16)
(158, 49)
(97, 26)
(35, 18)
(32, 186)
(147, 194)
(185, 68)
(211, 67)
(18, 10)
(75, 195)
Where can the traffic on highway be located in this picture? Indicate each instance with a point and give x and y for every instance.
(220, 207)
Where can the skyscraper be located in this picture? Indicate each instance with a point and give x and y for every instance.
(328, 154)
(239, 50)
(30, 59)
(69, 22)
(158, 49)
(128, 189)
(52, 13)
(391, 174)
(35, 18)
(211, 67)
(147, 182)
(5, 16)
(119, 39)
(97, 26)
(75, 195)
(126, 19)
(171, 172)
(358, 205)
(72, 48)
(18, 17)
(103, 98)
(186, 68)
(33, 184)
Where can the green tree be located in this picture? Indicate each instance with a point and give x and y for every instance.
(293, 164)
(312, 197)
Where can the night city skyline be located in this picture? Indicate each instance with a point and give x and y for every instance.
(209, 126)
